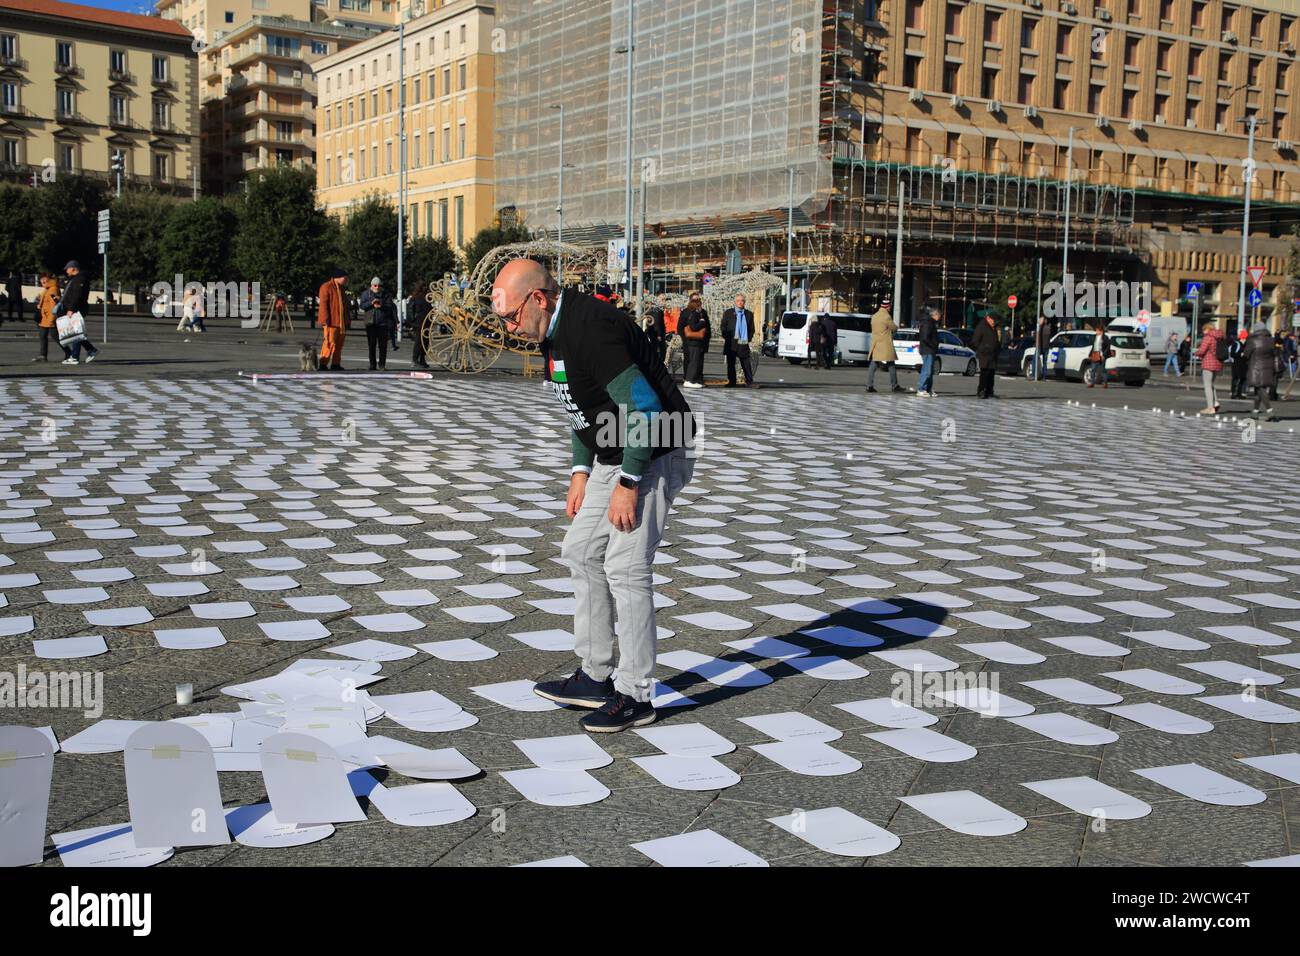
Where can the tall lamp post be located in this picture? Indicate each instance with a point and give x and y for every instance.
(1069, 190)
(559, 205)
(1248, 182)
(630, 50)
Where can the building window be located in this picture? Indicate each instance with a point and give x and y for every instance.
(1094, 100)
(446, 144)
(1061, 95)
(910, 69)
(1129, 101)
(989, 84)
(361, 164)
(1252, 71)
(433, 147)
(1163, 50)
(1198, 14)
(9, 95)
(67, 102)
(446, 81)
(230, 16)
(951, 77)
(1132, 45)
(442, 218)
(461, 77)
(1162, 108)
(1063, 40)
(1166, 11)
(117, 62)
(460, 220)
(415, 89)
(160, 69)
(1194, 61)
(952, 20)
(328, 169)
(462, 33)
(63, 54)
(8, 47)
(428, 217)
(415, 151)
(1228, 14)
(992, 26)
(1026, 88)
(319, 48)
(160, 114)
(460, 141)
(117, 108)
(67, 157)
(1225, 67)
(11, 152)
(1028, 26)
(913, 16)
(388, 157)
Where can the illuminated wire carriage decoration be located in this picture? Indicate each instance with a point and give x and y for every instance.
(461, 333)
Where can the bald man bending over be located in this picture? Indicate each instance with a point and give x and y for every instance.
(632, 432)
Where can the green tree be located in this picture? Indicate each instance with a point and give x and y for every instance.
(17, 212)
(1020, 280)
(63, 226)
(368, 243)
(138, 220)
(485, 240)
(284, 240)
(197, 242)
(428, 258)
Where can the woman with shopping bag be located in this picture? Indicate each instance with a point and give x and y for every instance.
(69, 316)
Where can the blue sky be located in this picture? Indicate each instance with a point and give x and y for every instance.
(126, 6)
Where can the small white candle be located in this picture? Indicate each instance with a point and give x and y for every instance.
(184, 694)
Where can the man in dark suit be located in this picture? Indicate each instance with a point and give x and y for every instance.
(737, 333)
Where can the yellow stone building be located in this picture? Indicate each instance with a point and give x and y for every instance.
(80, 85)
(449, 115)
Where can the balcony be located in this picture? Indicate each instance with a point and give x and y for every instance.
(12, 62)
(12, 109)
(120, 76)
(121, 122)
(68, 69)
(163, 82)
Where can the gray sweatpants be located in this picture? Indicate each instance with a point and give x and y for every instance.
(612, 570)
(1207, 379)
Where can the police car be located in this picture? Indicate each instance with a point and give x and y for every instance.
(953, 356)
(1068, 352)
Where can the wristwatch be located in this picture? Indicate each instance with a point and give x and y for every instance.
(626, 482)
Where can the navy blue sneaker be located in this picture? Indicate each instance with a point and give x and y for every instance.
(619, 713)
(577, 691)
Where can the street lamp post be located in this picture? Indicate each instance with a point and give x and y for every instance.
(627, 217)
(559, 205)
(1069, 190)
(789, 248)
(1249, 181)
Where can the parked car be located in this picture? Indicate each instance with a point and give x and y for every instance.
(1156, 331)
(1068, 352)
(1011, 359)
(952, 354)
(853, 336)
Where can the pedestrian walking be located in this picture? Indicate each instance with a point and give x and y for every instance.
(45, 306)
(814, 341)
(377, 312)
(737, 334)
(14, 296)
(882, 347)
(416, 314)
(694, 326)
(280, 312)
(830, 339)
(1171, 354)
(75, 300)
(986, 347)
(332, 318)
(928, 346)
(1095, 372)
(655, 329)
(1237, 358)
(1290, 353)
(1185, 355)
(193, 310)
(673, 345)
(1262, 359)
(623, 481)
(1212, 352)
(1042, 346)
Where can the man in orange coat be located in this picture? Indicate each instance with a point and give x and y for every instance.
(45, 309)
(332, 321)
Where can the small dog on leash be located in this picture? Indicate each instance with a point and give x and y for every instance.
(307, 358)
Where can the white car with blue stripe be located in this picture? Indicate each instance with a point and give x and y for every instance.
(953, 357)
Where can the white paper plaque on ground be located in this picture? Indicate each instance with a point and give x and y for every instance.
(836, 830)
(305, 630)
(1088, 646)
(569, 752)
(811, 758)
(1073, 691)
(189, 638)
(722, 673)
(306, 781)
(1169, 640)
(1091, 797)
(555, 861)
(828, 668)
(414, 805)
(985, 702)
(1203, 784)
(1004, 652)
(1286, 766)
(686, 740)
(1159, 717)
(792, 725)
(112, 845)
(68, 648)
(172, 790)
(26, 769)
(888, 712)
(1156, 681)
(688, 773)
(556, 788)
(461, 649)
(515, 695)
(966, 812)
(1234, 673)
(924, 744)
(256, 826)
(1253, 707)
(916, 659)
(372, 650)
(1067, 729)
(105, 737)
(699, 848)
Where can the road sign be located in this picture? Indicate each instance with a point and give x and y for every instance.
(1193, 290)
(102, 245)
(1011, 301)
(104, 215)
(1256, 274)
(1254, 298)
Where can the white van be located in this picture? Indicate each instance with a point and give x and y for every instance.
(852, 343)
(1156, 332)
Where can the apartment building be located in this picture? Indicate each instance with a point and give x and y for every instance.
(449, 108)
(981, 112)
(80, 85)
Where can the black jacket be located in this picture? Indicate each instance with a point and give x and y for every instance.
(986, 345)
(385, 314)
(929, 335)
(696, 319)
(729, 326)
(1261, 358)
(654, 329)
(76, 296)
(830, 332)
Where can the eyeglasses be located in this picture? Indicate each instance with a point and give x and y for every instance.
(512, 318)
